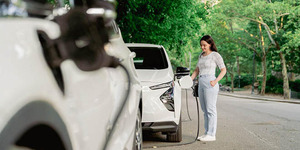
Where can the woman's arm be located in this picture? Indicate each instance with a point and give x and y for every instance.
(195, 73)
(221, 75)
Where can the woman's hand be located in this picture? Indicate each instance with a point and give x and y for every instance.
(221, 75)
(195, 73)
(213, 83)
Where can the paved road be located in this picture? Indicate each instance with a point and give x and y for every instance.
(242, 124)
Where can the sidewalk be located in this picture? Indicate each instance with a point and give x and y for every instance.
(248, 95)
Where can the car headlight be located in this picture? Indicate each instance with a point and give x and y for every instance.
(167, 98)
(163, 85)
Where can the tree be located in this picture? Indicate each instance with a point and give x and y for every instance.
(174, 24)
(264, 15)
(292, 36)
(232, 35)
(220, 29)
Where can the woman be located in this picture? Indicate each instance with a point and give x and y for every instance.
(208, 89)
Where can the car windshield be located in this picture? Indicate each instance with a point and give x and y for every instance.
(149, 58)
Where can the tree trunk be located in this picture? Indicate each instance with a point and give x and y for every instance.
(286, 89)
(263, 84)
(226, 77)
(232, 82)
(232, 79)
(238, 69)
(264, 64)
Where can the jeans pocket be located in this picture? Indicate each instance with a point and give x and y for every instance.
(217, 86)
(209, 86)
(212, 79)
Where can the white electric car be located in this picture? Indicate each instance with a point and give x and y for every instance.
(116, 47)
(161, 92)
(86, 102)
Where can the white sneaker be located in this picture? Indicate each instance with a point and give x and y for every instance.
(202, 136)
(208, 138)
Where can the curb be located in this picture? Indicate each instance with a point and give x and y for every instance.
(258, 98)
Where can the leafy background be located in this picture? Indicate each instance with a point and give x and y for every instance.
(257, 38)
(268, 28)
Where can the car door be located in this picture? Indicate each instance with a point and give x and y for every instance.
(92, 94)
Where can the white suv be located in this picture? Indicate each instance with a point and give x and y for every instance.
(52, 101)
(161, 91)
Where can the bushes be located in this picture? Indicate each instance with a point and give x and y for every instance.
(295, 85)
(223, 81)
(244, 80)
(275, 85)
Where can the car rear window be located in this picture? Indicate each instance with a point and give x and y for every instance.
(149, 58)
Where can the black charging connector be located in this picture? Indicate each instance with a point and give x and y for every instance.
(83, 38)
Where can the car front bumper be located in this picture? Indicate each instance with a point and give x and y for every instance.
(168, 126)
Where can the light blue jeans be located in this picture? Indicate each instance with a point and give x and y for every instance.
(208, 100)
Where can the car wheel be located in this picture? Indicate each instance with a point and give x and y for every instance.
(138, 137)
(177, 136)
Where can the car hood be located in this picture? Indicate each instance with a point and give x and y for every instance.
(154, 77)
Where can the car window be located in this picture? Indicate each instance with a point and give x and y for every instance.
(149, 58)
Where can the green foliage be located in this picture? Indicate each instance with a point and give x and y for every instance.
(174, 24)
(295, 85)
(244, 80)
(233, 24)
(274, 85)
(55, 2)
(237, 21)
(223, 81)
(292, 44)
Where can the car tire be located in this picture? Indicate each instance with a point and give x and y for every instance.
(138, 135)
(177, 136)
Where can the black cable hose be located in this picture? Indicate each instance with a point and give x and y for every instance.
(109, 136)
(196, 135)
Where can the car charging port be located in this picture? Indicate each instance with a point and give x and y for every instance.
(83, 38)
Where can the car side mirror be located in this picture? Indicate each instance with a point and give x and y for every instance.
(182, 71)
(186, 82)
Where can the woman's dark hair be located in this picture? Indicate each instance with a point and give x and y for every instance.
(210, 41)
